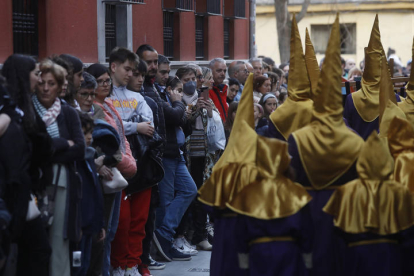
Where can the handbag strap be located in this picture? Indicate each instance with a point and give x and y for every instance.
(56, 182)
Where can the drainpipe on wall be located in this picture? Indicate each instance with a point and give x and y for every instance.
(252, 29)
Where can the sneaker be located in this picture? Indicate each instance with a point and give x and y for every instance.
(204, 245)
(181, 245)
(118, 272)
(210, 232)
(188, 244)
(152, 264)
(178, 256)
(163, 245)
(143, 269)
(132, 271)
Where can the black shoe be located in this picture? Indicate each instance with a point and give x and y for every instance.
(163, 245)
(176, 255)
(154, 265)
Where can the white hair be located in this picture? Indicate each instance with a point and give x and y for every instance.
(214, 60)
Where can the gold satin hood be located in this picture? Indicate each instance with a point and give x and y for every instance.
(401, 144)
(326, 146)
(311, 63)
(271, 195)
(296, 111)
(373, 203)
(366, 100)
(407, 105)
(240, 151)
(388, 108)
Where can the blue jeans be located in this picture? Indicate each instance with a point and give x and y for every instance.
(177, 190)
(110, 234)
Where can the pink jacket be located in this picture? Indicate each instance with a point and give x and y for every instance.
(127, 166)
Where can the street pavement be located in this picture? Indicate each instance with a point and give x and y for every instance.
(198, 266)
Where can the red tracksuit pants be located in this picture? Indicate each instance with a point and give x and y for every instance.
(127, 244)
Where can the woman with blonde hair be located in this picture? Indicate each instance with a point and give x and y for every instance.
(63, 126)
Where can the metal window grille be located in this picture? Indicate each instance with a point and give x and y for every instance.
(199, 37)
(213, 6)
(110, 29)
(240, 8)
(187, 5)
(25, 27)
(226, 33)
(168, 34)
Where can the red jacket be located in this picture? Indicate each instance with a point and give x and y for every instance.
(220, 93)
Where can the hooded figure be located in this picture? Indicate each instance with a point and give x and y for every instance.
(218, 189)
(371, 213)
(311, 63)
(324, 154)
(408, 104)
(388, 105)
(296, 111)
(273, 215)
(362, 107)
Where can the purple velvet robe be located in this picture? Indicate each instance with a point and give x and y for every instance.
(272, 132)
(282, 258)
(364, 129)
(328, 248)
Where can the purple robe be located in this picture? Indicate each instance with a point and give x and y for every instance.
(328, 248)
(364, 129)
(380, 259)
(272, 132)
(282, 258)
(224, 260)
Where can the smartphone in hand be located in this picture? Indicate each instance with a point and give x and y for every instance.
(204, 93)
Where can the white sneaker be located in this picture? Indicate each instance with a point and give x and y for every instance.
(118, 272)
(183, 248)
(189, 245)
(133, 271)
(204, 245)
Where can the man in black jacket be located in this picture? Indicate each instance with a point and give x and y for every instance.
(177, 189)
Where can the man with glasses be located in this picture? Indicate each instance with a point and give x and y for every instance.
(238, 70)
(218, 94)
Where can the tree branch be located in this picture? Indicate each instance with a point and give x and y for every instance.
(303, 11)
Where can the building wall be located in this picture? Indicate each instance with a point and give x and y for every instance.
(148, 25)
(6, 34)
(71, 27)
(396, 27)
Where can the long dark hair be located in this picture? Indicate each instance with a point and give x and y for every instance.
(16, 70)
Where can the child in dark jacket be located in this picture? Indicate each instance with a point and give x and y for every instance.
(92, 197)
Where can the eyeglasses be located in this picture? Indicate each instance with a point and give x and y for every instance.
(85, 95)
(200, 77)
(103, 82)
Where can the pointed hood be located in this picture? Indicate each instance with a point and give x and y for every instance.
(311, 63)
(408, 104)
(327, 134)
(295, 112)
(366, 99)
(271, 195)
(239, 154)
(400, 136)
(373, 202)
(401, 144)
(299, 85)
(388, 108)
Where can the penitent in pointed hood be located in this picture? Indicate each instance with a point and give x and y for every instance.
(296, 110)
(374, 202)
(366, 100)
(408, 105)
(327, 147)
(311, 63)
(388, 108)
(238, 157)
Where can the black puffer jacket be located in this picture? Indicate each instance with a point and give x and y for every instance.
(169, 116)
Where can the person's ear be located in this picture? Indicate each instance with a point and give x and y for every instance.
(113, 67)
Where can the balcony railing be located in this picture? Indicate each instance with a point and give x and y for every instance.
(240, 8)
(124, 2)
(213, 6)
